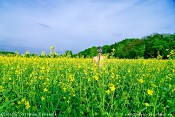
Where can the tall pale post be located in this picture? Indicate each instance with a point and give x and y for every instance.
(99, 50)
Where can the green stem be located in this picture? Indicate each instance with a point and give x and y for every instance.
(154, 110)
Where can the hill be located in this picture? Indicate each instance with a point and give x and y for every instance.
(6, 53)
(150, 46)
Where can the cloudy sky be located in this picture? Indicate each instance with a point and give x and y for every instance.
(79, 24)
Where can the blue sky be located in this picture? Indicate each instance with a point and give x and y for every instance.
(79, 24)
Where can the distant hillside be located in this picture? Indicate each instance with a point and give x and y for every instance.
(23, 49)
(5, 53)
(152, 46)
(147, 47)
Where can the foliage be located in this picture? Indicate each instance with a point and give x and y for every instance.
(152, 46)
(88, 53)
(171, 54)
(77, 87)
(67, 54)
(158, 43)
(6, 53)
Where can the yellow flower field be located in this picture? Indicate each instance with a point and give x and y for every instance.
(78, 87)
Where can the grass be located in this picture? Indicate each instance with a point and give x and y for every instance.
(77, 87)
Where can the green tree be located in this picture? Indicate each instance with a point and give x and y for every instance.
(68, 53)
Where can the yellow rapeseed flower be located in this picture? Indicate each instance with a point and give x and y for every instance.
(89, 79)
(45, 90)
(108, 91)
(146, 104)
(42, 67)
(112, 87)
(141, 80)
(96, 78)
(150, 92)
(23, 100)
(71, 78)
(112, 75)
(27, 104)
(42, 98)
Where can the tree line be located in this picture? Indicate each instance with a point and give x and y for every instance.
(156, 45)
(161, 46)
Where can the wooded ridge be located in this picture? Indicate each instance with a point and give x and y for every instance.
(161, 46)
(152, 46)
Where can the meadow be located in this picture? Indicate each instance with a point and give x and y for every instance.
(77, 87)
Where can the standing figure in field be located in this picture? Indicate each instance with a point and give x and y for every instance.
(99, 58)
